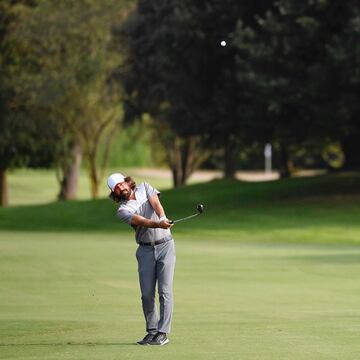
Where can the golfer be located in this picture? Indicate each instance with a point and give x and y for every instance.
(140, 207)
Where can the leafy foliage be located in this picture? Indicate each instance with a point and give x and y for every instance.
(67, 61)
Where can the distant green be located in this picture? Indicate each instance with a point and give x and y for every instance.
(270, 271)
(28, 186)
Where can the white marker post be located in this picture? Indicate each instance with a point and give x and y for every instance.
(268, 156)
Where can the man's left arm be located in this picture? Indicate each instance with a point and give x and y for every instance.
(156, 204)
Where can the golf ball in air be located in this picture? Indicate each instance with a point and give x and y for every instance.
(223, 43)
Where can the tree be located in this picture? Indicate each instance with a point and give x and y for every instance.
(150, 79)
(20, 139)
(178, 72)
(298, 57)
(68, 61)
(341, 80)
(280, 67)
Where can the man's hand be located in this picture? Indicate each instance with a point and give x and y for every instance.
(165, 224)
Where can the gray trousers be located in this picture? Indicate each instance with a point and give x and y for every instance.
(156, 264)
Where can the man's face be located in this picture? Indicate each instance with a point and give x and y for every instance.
(123, 190)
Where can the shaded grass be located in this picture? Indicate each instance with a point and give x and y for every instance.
(324, 208)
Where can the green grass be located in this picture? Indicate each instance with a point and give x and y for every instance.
(268, 272)
(320, 209)
(75, 296)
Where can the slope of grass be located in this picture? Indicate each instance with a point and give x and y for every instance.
(328, 205)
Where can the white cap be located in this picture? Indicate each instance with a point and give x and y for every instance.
(115, 179)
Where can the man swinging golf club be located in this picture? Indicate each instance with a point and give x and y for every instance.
(140, 207)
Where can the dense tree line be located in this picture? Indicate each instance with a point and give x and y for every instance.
(288, 75)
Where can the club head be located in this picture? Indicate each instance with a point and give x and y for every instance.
(200, 208)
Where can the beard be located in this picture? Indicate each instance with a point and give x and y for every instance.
(125, 195)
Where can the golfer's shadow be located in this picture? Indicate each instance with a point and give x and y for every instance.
(72, 344)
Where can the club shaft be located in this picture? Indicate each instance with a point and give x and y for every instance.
(185, 218)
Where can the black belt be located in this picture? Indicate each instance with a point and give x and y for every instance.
(158, 242)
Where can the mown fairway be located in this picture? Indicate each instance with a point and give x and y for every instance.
(270, 271)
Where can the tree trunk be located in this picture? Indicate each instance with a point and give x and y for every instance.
(70, 173)
(188, 159)
(91, 152)
(3, 188)
(285, 165)
(106, 154)
(230, 158)
(184, 158)
(94, 180)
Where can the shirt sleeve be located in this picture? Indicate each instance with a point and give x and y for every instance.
(125, 215)
(150, 191)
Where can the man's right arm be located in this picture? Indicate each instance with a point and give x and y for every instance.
(138, 220)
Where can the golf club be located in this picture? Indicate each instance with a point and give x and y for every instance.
(199, 208)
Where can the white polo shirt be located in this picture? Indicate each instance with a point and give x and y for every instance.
(141, 206)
